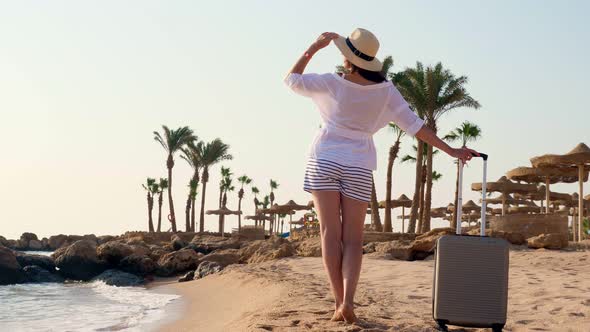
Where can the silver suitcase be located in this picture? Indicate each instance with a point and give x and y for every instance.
(471, 275)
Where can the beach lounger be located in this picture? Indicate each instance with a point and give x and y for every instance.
(471, 275)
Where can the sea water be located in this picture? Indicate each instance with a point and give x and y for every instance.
(81, 306)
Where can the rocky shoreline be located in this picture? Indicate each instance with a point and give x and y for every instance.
(136, 257)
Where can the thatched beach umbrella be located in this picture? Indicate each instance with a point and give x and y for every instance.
(402, 201)
(508, 199)
(223, 211)
(504, 186)
(578, 157)
(547, 175)
(258, 217)
(291, 206)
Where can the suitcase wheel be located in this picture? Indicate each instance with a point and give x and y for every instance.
(497, 328)
(442, 325)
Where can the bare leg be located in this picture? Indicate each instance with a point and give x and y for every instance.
(353, 219)
(327, 204)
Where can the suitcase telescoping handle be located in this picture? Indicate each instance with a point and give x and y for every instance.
(459, 207)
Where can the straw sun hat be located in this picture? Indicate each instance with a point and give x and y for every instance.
(360, 48)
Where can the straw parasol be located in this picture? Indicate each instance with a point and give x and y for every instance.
(402, 201)
(290, 207)
(223, 211)
(578, 157)
(547, 175)
(523, 209)
(504, 186)
(508, 199)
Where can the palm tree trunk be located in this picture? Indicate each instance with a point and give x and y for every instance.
(193, 200)
(387, 224)
(456, 201)
(240, 215)
(202, 214)
(150, 200)
(375, 218)
(417, 184)
(187, 214)
(160, 212)
(220, 205)
(428, 198)
(421, 203)
(172, 217)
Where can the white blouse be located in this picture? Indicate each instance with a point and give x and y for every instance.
(351, 114)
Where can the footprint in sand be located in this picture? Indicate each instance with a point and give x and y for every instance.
(556, 310)
(265, 327)
(524, 322)
(417, 297)
(577, 314)
(586, 302)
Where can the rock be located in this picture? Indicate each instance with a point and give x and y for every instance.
(38, 274)
(426, 242)
(398, 249)
(26, 237)
(548, 241)
(156, 252)
(223, 257)
(514, 238)
(4, 242)
(265, 250)
(206, 268)
(55, 255)
(10, 270)
(118, 278)
(187, 277)
(114, 251)
(369, 247)
(35, 245)
(138, 264)
(208, 243)
(178, 262)
(177, 242)
(79, 261)
(57, 241)
(44, 262)
(104, 239)
(310, 247)
(45, 243)
(21, 245)
(141, 250)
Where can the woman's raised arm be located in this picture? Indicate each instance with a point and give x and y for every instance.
(426, 134)
(323, 40)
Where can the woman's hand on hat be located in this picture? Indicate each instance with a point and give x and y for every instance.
(464, 154)
(324, 40)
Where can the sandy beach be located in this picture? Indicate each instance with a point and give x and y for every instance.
(549, 291)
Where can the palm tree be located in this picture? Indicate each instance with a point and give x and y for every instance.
(265, 203)
(422, 182)
(209, 155)
(255, 191)
(273, 185)
(190, 205)
(244, 180)
(162, 185)
(226, 187)
(172, 141)
(393, 151)
(151, 189)
(225, 174)
(192, 157)
(465, 133)
(433, 92)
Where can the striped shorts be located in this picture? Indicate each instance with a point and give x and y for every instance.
(352, 182)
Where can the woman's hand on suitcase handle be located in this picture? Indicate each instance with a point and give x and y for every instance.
(464, 154)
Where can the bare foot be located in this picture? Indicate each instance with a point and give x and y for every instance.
(347, 312)
(337, 317)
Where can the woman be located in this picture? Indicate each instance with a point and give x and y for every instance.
(353, 107)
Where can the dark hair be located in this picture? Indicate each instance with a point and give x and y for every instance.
(373, 76)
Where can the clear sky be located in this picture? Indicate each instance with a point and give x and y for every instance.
(83, 84)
